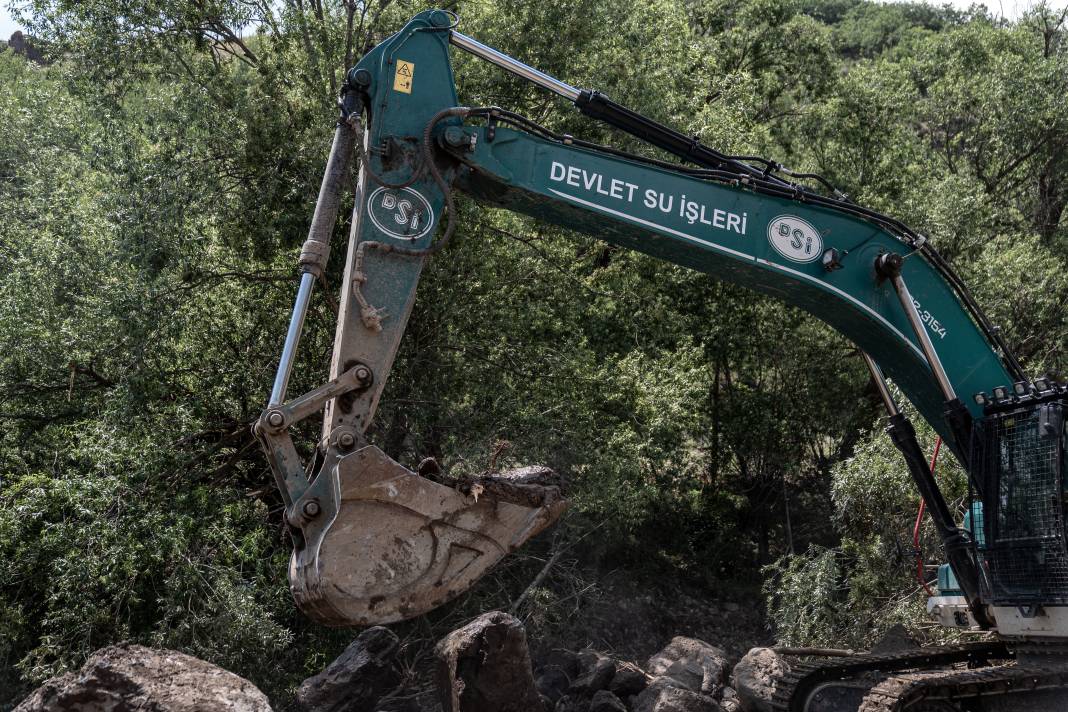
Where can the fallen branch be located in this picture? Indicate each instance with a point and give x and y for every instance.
(537, 580)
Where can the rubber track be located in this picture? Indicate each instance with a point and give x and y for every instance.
(794, 688)
(903, 692)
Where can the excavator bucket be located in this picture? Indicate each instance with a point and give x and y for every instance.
(389, 544)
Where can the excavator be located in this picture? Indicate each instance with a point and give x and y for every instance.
(375, 542)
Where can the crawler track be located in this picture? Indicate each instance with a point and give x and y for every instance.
(941, 690)
(793, 690)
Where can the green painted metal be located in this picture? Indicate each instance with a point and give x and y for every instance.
(947, 582)
(774, 246)
(733, 234)
(393, 216)
(973, 524)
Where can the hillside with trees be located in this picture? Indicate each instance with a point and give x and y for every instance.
(157, 176)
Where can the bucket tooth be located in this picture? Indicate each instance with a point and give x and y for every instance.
(388, 544)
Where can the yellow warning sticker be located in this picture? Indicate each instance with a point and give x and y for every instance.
(402, 81)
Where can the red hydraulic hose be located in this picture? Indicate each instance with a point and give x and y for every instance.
(916, 528)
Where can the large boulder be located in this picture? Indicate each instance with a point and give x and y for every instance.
(485, 667)
(132, 678)
(696, 665)
(755, 678)
(357, 679)
(664, 695)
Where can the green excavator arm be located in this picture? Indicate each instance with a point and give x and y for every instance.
(376, 542)
(775, 244)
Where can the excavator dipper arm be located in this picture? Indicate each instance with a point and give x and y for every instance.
(375, 542)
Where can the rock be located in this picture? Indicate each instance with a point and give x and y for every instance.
(572, 704)
(595, 677)
(755, 677)
(698, 666)
(605, 701)
(586, 660)
(895, 639)
(566, 660)
(729, 700)
(628, 680)
(357, 679)
(132, 678)
(664, 695)
(485, 667)
(552, 682)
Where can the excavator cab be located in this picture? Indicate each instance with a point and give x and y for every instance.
(1017, 518)
(1019, 477)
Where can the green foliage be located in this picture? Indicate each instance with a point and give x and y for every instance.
(804, 594)
(869, 29)
(177, 569)
(847, 596)
(155, 184)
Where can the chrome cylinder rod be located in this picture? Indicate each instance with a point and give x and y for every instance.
(289, 351)
(316, 249)
(925, 339)
(469, 44)
(880, 384)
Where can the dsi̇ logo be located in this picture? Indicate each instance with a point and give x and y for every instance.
(795, 239)
(404, 213)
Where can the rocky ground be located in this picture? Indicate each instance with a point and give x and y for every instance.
(484, 666)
